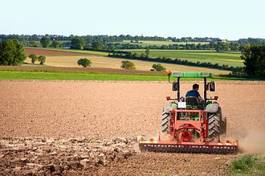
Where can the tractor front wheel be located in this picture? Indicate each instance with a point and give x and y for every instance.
(165, 119)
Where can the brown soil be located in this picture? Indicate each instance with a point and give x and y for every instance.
(169, 164)
(48, 156)
(123, 109)
(47, 52)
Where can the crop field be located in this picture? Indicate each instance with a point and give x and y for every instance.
(69, 58)
(62, 52)
(90, 127)
(39, 75)
(231, 59)
(108, 62)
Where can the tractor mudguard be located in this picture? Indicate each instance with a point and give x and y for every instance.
(169, 106)
(212, 108)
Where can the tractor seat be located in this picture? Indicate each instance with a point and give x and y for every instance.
(192, 102)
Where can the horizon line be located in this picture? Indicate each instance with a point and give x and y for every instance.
(165, 37)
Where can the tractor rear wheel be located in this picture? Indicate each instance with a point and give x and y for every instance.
(216, 125)
(165, 119)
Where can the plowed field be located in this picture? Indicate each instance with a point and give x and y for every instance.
(64, 109)
(51, 52)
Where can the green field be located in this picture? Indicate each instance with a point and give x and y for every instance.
(18, 75)
(227, 58)
(37, 75)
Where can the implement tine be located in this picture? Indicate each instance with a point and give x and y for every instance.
(177, 148)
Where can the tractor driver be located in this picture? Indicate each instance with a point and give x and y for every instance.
(194, 92)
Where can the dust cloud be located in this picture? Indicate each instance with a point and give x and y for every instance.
(253, 142)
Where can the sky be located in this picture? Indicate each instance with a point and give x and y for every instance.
(226, 19)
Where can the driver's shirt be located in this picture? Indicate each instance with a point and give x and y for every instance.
(193, 93)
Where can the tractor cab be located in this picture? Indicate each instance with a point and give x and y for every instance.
(191, 102)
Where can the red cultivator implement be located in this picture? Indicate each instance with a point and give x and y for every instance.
(191, 126)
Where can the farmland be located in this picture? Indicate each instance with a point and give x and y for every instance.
(132, 88)
(62, 52)
(227, 58)
(73, 116)
(33, 75)
(53, 126)
(68, 58)
(107, 62)
(98, 74)
(90, 127)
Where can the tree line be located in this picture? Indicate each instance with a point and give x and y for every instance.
(217, 46)
(145, 57)
(116, 42)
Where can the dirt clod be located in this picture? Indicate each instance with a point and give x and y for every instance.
(79, 155)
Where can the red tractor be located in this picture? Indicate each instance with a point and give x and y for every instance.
(192, 125)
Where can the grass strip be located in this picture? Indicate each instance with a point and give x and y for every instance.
(248, 165)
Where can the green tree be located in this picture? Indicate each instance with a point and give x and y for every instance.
(33, 44)
(158, 67)
(55, 44)
(97, 45)
(147, 52)
(84, 62)
(34, 58)
(42, 59)
(11, 53)
(77, 43)
(128, 65)
(45, 42)
(254, 60)
(221, 46)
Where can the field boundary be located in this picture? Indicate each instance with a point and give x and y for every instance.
(38, 68)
